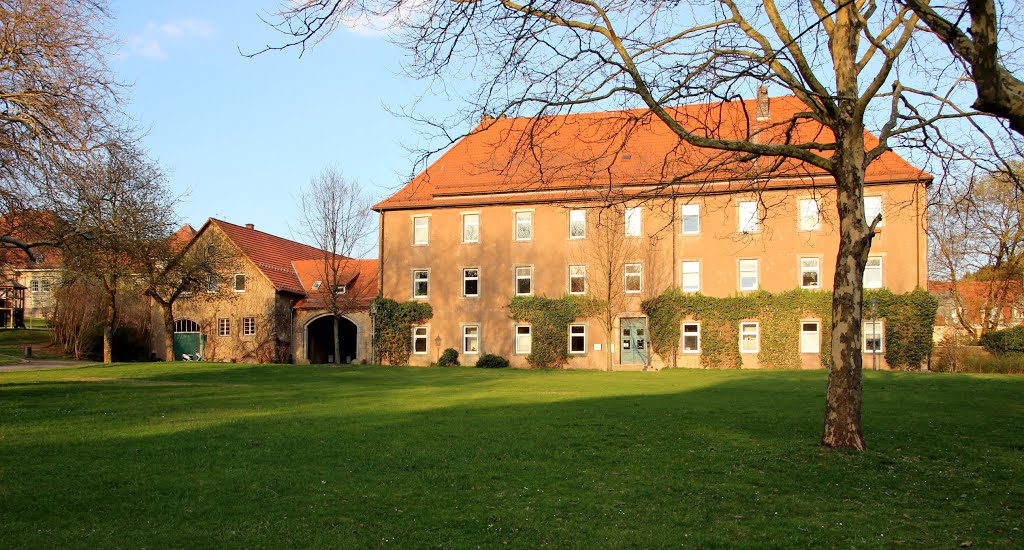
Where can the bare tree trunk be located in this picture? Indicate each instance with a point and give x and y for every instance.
(168, 314)
(337, 341)
(108, 330)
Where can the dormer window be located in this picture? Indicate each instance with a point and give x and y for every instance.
(341, 289)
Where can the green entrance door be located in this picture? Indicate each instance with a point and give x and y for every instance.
(188, 340)
(633, 340)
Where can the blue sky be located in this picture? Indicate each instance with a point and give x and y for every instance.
(240, 137)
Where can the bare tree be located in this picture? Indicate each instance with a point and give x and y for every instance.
(839, 59)
(971, 29)
(978, 239)
(197, 270)
(336, 218)
(58, 98)
(123, 215)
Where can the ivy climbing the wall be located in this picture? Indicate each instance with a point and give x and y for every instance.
(393, 323)
(909, 319)
(549, 319)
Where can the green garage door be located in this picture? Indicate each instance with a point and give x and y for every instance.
(187, 339)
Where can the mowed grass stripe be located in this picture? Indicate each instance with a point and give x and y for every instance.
(239, 455)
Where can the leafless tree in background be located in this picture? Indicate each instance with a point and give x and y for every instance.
(336, 218)
(122, 213)
(978, 237)
(199, 271)
(58, 99)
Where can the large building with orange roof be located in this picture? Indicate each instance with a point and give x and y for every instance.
(613, 204)
(275, 309)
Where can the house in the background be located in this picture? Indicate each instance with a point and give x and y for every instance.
(273, 310)
(613, 203)
(977, 304)
(36, 278)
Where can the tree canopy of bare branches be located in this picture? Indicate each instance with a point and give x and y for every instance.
(336, 218)
(57, 100)
(848, 63)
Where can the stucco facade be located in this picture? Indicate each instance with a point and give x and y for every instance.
(663, 251)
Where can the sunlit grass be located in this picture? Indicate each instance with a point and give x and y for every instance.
(185, 455)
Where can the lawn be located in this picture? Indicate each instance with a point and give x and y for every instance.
(187, 455)
(13, 342)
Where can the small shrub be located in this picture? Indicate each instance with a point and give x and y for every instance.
(450, 358)
(1010, 340)
(491, 361)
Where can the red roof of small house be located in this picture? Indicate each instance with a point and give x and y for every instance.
(27, 226)
(576, 156)
(181, 237)
(271, 254)
(359, 277)
(974, 294)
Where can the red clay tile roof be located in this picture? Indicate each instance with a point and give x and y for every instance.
(575, 155)
(181, 237)
(360, 276)
(974, 295)
(271, 254)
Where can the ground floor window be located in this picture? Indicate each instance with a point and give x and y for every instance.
(577, 338)
(750, 337)
(810, 337)
(471, 339)
(223, 327)
(691, 337)
(873, 336)
(523, 339)
(248, 326)
(419, 340)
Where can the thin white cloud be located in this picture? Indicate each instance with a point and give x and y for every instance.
(150, 43)
(376, 25)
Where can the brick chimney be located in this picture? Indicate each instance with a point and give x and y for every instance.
(763, 104)
(250, 226)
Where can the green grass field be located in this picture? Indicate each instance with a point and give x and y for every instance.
(187, 455)
(13, 342)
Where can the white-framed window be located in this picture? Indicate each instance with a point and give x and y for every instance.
(748, 274)
(44, 286)
(33, 286)
(317, 285)
(211, 283)
(872, 208)
(471, 282)
(471, 339)
(691, 276)
(471, 228)
(746, 214)
(239, 282)
(577, 339)
(420, 283)
(810, 273)
(691, 337)
(524, 280)
(223, 327)
(248, 326)
(577, 224)
(810, 337)
(634, 221)
(577, 279)
(341, 289)
(524, 225)
(524, 339)
(810, 215)
(873, 272)
(750, 337)
(873, 336)
(420, 340)
(420, 230)
(691, 219)
(632, 275)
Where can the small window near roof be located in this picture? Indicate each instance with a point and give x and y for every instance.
(316, 285)
(240, 282)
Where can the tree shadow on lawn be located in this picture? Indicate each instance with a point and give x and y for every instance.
(471, 458)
